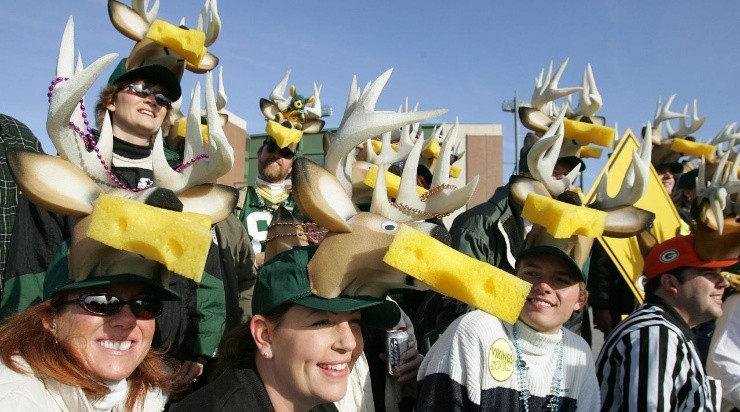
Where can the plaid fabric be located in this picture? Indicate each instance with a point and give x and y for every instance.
(13, 135)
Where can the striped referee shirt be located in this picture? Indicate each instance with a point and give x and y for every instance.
(648, 363)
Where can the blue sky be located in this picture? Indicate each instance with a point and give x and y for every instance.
(465, 56)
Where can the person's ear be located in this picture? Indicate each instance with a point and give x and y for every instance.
(669, 283)
(111, 106)
(49, 323)
(262, 331)
(582, 300)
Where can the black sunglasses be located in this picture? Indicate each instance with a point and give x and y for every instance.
(272, 147)
(144, 92)
(106, 304)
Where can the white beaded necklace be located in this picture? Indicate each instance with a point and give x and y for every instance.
(557, 379)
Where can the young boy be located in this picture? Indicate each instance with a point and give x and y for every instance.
(481, 362)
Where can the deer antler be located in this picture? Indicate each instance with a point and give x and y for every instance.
(683, 130)
(209, 12)
(724, 183)
(362, 122)
(547, 88)
(663, 114)
(278, 93)
(635, 180)
(220, 153)
(442, 200)
(590, 101)
(729, 133)
(64, 108)
(543, 155)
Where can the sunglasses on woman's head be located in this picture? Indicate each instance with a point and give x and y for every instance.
(144, 92)
(106, 304)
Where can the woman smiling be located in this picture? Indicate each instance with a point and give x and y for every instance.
(86, 346)
(297, 351)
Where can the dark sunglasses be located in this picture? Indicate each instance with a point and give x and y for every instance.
(272, 147)
(106, 304)
(144, 92)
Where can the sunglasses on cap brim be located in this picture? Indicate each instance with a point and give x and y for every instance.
(106, 304)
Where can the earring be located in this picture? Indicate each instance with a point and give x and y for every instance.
(267, 354)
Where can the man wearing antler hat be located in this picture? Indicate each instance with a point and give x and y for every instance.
(649, 361)
(288, 118)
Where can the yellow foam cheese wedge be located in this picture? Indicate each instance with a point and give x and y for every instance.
(179, 240)
(589, 152)
(181, 127)
(589, 133)
(284, 136)
(432, 149)
(687, 147)
(377, 145)
(188, 43)
(455, 274)
(455, 171)
(563, 220)
(392, 182)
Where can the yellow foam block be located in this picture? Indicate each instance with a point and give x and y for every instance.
(455, 274)
(589, 152)
(563, 220)
(181, 127)
(188, 43)
(179, 240)
(589, 133)
(392, 182)
(432, 149)
(377, 144)
(284, 136)
(687, 147)
(455, 171)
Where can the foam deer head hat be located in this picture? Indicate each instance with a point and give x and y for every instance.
(582, 127)
(349, 259)
(670, 146)
(80, 178)
(560, 219)
(176, 47)
(716, 209)
(288, 118)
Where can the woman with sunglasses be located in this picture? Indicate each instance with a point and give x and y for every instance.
(297, 350)
(87, 345)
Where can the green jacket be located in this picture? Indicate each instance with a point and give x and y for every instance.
(256, 214)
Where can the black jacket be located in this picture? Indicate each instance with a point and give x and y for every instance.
(237, 389)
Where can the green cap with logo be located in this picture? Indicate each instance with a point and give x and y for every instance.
(284, 279)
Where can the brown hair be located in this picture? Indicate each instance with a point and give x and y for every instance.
(51, 359)
(237, 347)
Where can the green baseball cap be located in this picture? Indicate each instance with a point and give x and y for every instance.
(112, 268)
(284, 279)
(553, 251)
(156, 72)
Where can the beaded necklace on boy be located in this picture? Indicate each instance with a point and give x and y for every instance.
(557, 379)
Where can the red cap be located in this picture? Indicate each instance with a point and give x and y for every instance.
(675, 253)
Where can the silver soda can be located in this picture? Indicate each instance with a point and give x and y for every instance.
(396, 343)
